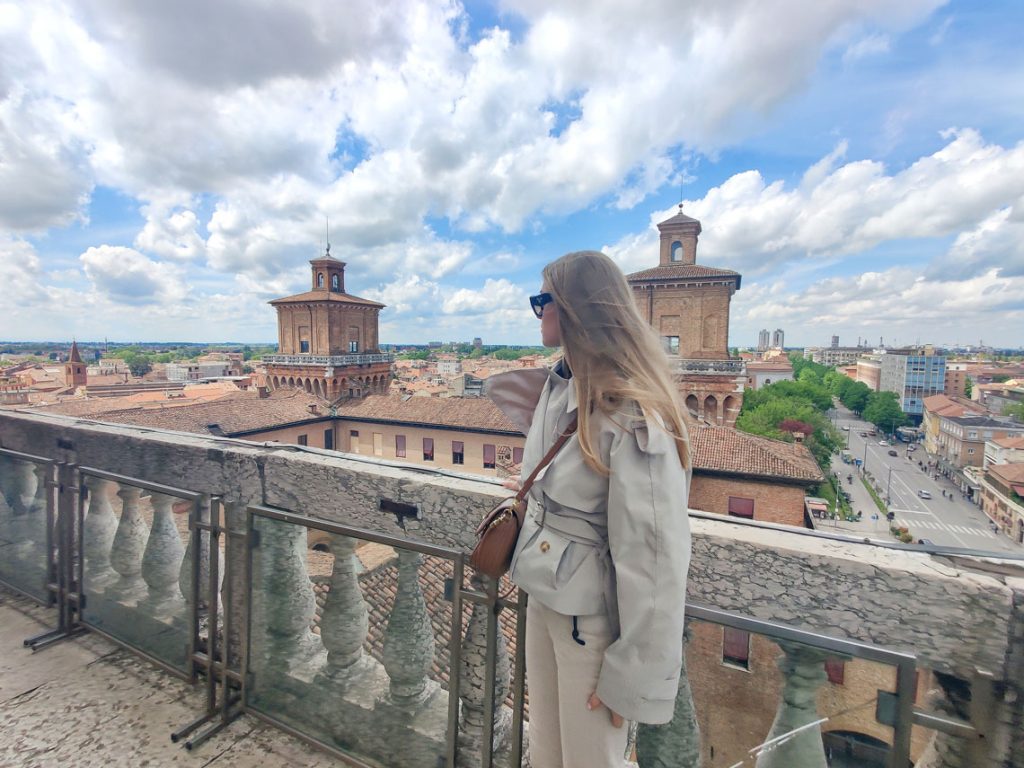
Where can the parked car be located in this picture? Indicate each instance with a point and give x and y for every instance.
(845, 429)
(863, 434)
(924, 494)
(926, 542)
(892, 452)
(883, 442)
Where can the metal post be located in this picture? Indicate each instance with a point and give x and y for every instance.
(888, 486)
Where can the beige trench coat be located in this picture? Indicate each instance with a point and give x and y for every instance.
(618, 545)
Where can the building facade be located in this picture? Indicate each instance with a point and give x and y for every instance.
(763, 340)
(913, 374)
(688, 306)
(75, 375)
(778, 339)
(327, 339)
(762, 373)
(833, 356)
(1002, 498)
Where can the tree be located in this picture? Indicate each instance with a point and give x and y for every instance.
(138, 364)
(884, 411)
(809, 376)
(968, 387)
(856, 396)
(1015, 411)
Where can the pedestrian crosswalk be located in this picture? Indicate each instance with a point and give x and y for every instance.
(916, 524)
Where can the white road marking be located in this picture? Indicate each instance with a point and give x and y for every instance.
(934, 525)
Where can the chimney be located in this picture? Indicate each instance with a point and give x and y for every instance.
(312, 408)
(262, 392)
(798, 437)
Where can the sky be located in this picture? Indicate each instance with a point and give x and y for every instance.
(167, 168)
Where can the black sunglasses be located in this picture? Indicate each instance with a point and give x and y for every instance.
(537, 303)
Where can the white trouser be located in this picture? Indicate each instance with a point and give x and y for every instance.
(561, 674)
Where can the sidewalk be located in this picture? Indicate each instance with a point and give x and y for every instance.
(860, 501)
(86, 702)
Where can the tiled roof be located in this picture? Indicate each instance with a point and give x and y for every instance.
(233, 414)
(679, 218)
(724, 449)
(680, 272)
(325, 295)
(460, 412)
(1010, 442)
(1008, 473)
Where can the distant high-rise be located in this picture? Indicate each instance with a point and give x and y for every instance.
(778, 339)
(763, 340)
(835, 342)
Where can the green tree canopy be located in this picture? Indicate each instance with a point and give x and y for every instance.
(769, 418)
(883, 410)
(138, 364)
(856, 396)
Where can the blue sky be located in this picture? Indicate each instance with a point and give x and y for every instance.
(167, 169)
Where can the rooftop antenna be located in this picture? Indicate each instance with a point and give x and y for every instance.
(327, 226)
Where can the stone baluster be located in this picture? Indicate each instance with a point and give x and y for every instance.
(98, 535)
(161, 560)
(678, 741)
(803, 674)
(22, 492)
(36, 524)
(409, 639)
(185, 572)
(283, 600)
(23, 488)
(128, 547)
(345, 620)
(6, 493)
(473, 680)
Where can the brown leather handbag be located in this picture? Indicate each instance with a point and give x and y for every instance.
(499, 530)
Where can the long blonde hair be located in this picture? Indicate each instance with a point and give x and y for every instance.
(614, 355)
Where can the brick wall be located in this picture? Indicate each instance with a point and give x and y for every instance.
(773, 502)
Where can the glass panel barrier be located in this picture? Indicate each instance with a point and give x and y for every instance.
(26, 523)
(774, 702)
(353, 644)
(137, 566)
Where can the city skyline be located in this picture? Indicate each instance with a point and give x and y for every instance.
(164, 172)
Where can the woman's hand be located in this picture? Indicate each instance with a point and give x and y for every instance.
(594, 702)
(513, 483)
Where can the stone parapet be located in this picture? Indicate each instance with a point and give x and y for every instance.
(961, 617)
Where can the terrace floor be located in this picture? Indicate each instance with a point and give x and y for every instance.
(86, 702)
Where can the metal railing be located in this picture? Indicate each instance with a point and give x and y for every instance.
(329, 360)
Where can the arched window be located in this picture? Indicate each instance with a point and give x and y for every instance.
(335, 285)
(677, 251)
(320, 280)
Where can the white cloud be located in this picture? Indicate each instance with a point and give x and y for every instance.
(754, 226)
(171, 233)
(21, 275)
(495, 295)
(124, 276)
(873, 44)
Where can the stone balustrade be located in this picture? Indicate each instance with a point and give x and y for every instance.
(963, 618)
(329, 360)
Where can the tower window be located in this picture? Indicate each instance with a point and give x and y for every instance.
(458, 452)
(303, 346)
(677, 251)
(320, 280)
(353, 346)
(335, 285)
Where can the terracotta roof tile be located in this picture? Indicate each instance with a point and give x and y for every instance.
(333, 296)
(1008, 473)
(235, 413)
(724, 449)
(464, 412)
(680, 272)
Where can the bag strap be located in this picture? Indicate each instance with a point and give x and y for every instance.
(562, 440)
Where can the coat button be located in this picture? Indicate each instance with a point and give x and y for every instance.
(544, 546)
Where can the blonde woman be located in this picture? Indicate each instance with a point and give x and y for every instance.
(605, 545)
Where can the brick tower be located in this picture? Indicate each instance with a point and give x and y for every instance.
(327, 339)
(74, 368)
(688, 305)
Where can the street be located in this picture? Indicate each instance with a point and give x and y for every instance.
(948, 520)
